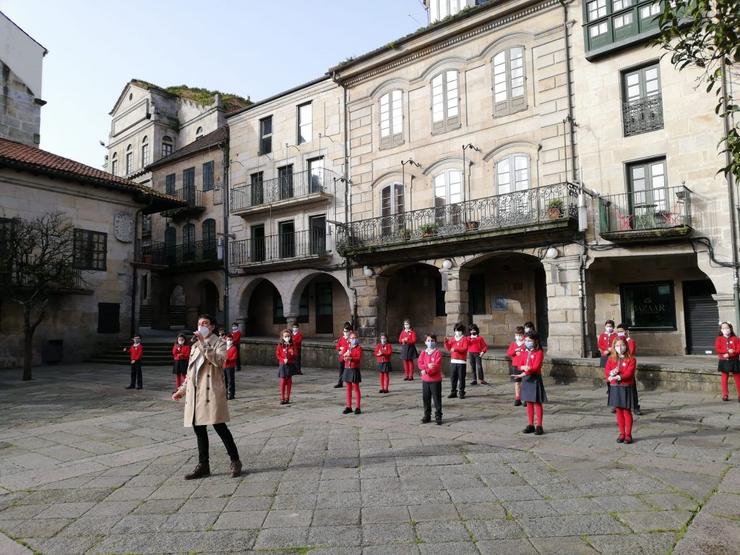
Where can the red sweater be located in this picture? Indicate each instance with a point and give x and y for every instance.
(533, 360)
(431, 364)
(626, 368)
(514, 352)
(136, 351)
(342, 345)
(236, 336)
(353, 360)
(477, 345)
(407, 337)
(458, 347)
(297, 341)
(383, 352)
(283, 351)
(231, 355)
(722, 346)
(181, 352)
(605, 341)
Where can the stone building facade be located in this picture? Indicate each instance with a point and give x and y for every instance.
(21, 60)
(287, 194)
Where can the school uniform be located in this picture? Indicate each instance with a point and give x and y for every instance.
(236, 337)
(533, 388)
(298, 345)
(632, 350)
(605, 343)
(136, 352)
(383, 354)
(180, 356)
(431, 386)
(728, 362)
(232, 353)
(407, 339)
(458, 349)
(341, 346)
(352, 377)
(622, 393)
(477, 347)
(285, 354)
(514, 352)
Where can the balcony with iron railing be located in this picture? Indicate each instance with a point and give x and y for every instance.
(193, 198)
(641, 116)
(159, 255)
(467, 226)
(284, 192)
(70, 281)
(656, 214)
(282, 249)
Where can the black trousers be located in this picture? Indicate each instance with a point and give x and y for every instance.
(137, 379)
(432, 391)
(229, 379)
(298, 361)
(637, 400)
(476, 365)
(238, 358)
(341, 370)
(201, 433)
(457, 376)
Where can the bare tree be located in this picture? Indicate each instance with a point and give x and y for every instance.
(36, 263)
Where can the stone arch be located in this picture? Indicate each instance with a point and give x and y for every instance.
(327, 303)
(389, 85)
(258, 301)
(208, 299)
(512, 39)
(451, 62)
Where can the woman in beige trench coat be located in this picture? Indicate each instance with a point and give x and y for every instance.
(205, 397)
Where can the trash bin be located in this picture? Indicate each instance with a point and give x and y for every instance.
(53, 351)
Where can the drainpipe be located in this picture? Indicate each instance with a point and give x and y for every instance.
(731, 195)
(225, 171)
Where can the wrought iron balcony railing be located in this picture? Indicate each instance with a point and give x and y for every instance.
(664, 211)
(642, 115)
(283, 247)
(510, 210)
(162, 254)
(191, 196)
(70, 281)
(286, 187)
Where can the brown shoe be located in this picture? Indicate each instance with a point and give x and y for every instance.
(236, 469)
(200, 471)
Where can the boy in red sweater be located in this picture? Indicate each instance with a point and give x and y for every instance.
(458, 348)
(477, 347)
(297, 345)
(232, 355)
(181, 355)
(236, 336)
(430, 364)
(383, 352)
(606, 338)
(136, 351)
(342, 346)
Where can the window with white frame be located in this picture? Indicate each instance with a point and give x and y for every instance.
(167, 146)
(391, 208)
(447, 194)
(596, 9)
(391, 119)
(512, 174)
(145, 157)
(445, 101)
(509, 91)
(305, 123)
(439, 9)
(129, 159)
(198, 133)
(114, 164)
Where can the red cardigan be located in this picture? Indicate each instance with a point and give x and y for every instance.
(283, 351)
(136, 351)
(477, 345)
(383, 352)
(514, 352)
(236, 336)
(723, 344)
(458, 347)
(341, 346)
(181, 352)
(605, 341)
(626, 367)
(297, 341)
(355, 355)
(431, 364)
(231, 356)
(532, 359)
(408, 336)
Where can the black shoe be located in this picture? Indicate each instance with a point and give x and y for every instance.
(473, 383)
(200, 471)
(287, 401)
(381, 390)
(628, 439)
(299, 373)
(339, 384)
(462, 395)
(426, 420)
(725, 398)
(131, 387)
(282, 401)
(620, 439)
(438, 421)
(236, 469)
(405, 379)
(230, 397)
(452, 395)
(538, 431)
(358, 411)
(347, 410)
(139, 387)
(517, 402)
(529, 429)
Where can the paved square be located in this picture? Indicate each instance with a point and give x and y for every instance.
(88, 467)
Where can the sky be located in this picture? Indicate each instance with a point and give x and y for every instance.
(253, 48)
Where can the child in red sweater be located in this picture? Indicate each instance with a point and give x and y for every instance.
(477, 347)
(236, 335)
(407, 339)
(298, 344)
(383, 352)
(352, 376)
(533, 390)
(430, 364)
(136, 351)
(515, 350)
(458, 348)
(232, 356)
(342, 346)
(727, 347)
(620, 373)
(285, 354)
(180, 355)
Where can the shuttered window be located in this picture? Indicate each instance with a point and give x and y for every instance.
(509, 89)
(391, 119)
(445, 102)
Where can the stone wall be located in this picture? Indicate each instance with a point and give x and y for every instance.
(20, 114)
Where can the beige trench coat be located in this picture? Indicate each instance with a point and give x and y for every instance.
(204, 388)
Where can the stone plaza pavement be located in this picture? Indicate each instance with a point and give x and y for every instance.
(88, 467)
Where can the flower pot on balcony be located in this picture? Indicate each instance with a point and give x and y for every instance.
(472, 226)
(555, 209)
(147, 259)
(428, 230)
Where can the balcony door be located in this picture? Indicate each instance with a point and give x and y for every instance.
(391, 209)
(170, 244)
(257, 189)
(285, 181)
(188, 186)
(317, 234)
(648, 194)
(257, 240)
(316, 175)
(513, 181)
(324, 308)
(448, 195)
(286, 239)
(188, 242)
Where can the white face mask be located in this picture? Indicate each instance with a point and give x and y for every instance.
(518, 338)
(726, 332)
(383, 341)
(529, 344)
(181, 342)
(609, 329)
(286, 339)
(295, 330)
(234, 328)
(346, 334)
(458, 334)
(407, 326)
(229, 343)
(136, 341)
(621, 349)
(205, 331)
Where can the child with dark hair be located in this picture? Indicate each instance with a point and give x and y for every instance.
(342, 346)
(285, 354)
(458, 348)
(136, 351)
(352, 376)
(430, 364)
(180, 355)
(606, 338)
(620, 373)
(298, 344)
(232, 355)
(407, 339)
(529, 328)
(514, 352)
(533, 389)
(727, 347)
(383, 352)
(477, 347)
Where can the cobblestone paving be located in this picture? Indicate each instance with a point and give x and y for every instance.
(88, 467)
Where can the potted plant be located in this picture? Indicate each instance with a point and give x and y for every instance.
(428, 230)
(472, 225)
(555, 208)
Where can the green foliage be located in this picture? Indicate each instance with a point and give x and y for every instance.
(705, 34)
(428, 229)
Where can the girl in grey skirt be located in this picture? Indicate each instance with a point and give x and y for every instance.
(620, 375)
(533, 389)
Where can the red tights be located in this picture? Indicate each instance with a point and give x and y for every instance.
(531, 409)
(408, 369)
(385, 380)
(624, 422)
(725, 384)
(356, 387)
(286, 384)
(179, 380)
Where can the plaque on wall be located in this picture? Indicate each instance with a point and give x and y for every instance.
(123, 227)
